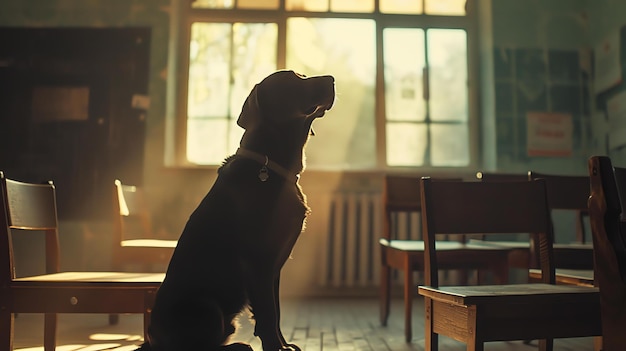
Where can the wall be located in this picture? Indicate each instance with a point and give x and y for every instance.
(606, 18)
(84, 246)
(540, 60)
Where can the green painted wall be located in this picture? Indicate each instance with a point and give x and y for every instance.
(539, 50)
(540, 63)
(607, 18)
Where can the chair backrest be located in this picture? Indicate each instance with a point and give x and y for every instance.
(401, 193)
(131, 217)
(620, 179)
(501, 177)
(486, 208)
(32, 207)
(605, 209)
(567, 192)
(609, 242)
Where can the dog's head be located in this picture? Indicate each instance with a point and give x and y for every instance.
(287, 102)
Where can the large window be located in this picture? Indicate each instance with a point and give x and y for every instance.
(400, 66)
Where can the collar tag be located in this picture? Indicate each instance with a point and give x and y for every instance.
(263, 174)
(267, 164)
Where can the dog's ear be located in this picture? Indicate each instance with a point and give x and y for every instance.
(250, 111)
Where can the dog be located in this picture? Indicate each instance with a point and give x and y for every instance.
(235, 243)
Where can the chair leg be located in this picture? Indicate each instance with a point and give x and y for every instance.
(431, 339)
(6, 325)
(385, 298)
(50, 331)
(597, 343)
(409, 290)
(473, 342)
(114, 319)
(546, 344)
(146, 325)
(501, 274)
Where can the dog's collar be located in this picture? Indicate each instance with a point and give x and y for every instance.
(267, 163)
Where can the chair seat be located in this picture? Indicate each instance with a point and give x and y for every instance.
(71, 278)
(526, 245)
(566, 255)
(513, 293)
(149, 243)
(418, 245)
(583, 277)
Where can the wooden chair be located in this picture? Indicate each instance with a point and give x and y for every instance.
(133, 239)
(609, 239)
(32, 207)
(401, 194)
(478, 314)
(570, 193)
(565, 192)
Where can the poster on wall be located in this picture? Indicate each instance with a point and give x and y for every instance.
(607, 68)
(549, 134)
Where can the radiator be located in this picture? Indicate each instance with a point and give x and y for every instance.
(352, 253)
(354, 227)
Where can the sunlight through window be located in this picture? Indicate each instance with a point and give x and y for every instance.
(423, 120)
(225, 61)
(346, 49)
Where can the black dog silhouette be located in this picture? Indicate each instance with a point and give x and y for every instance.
(235, 243)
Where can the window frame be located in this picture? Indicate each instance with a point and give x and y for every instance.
(183, 16)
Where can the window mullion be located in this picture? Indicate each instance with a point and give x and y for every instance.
(426, 97)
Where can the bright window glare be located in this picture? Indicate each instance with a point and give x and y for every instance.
(226, 61)
(352, 5)
(447, 57)
(406, 144)
(404, 64)
(445, 7)
(345, 49)
(423, 119)
(401, 6)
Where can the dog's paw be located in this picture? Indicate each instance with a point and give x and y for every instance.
(237, 346)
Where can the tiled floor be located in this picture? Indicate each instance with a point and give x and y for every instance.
(339, 324)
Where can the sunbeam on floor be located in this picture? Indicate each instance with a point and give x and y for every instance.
(336, 324)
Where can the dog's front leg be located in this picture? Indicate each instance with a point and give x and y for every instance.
(263, 301)
(277, 308)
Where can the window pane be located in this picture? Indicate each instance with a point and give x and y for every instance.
(307, 5)
(209, 70)
(213, 4)
(219, 83)
(445, 7)
(254, 57)
(352, 5)
(406, 144)
(202, 149)
(451, 144)
(447, 59)
(401, 6)
(257, 4)
(404, 62)
(344, 48)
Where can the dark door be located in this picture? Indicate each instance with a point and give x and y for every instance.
(72, 110)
